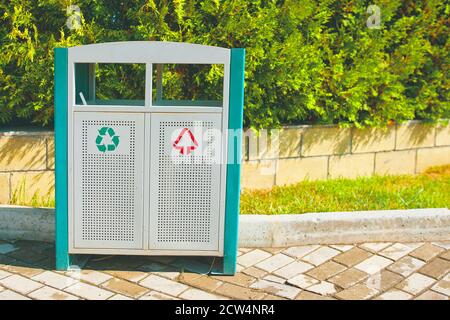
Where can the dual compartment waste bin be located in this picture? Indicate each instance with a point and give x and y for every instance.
(150, 176)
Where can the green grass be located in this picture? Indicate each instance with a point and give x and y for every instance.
(428, 190)
(19, 197)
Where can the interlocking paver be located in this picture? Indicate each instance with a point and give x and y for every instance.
(406, 266)
(396, 251)
(48, 293)
(273, 250)
(20, 284)
(155, 295)
(394, 294)
(91, 276)
(53, 279)
(195, 294)
(302, 281)
(253, 257)
(124, 287)
(276, 288)
(446, 255)
(239, 279)
(323, 288)
(415, 283)
(352, 257)
(443, 287)
(437, 268)
(326, 270)
(239, 268)
(254, 272)
(348, 278)
(11, 295)
(358, 292)
(375, 246)
(200, 281)
(320, 255)
(373, 264)
(88, 291)
(431, 295)
(22, 269)
(4, 274)
(414, 245)
(272, 297)
(300, 251)
(238, 292)
(172, 275)
(342, 247)
(293, 269)
(442, 244)
(354, 271)
(119, 297)
(273, 278)
(274, 262)
(133, 276)
(163, 285)
(426, 252)
(383, 280)
(305, 295)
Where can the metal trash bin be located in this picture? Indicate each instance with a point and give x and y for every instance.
(150, 177)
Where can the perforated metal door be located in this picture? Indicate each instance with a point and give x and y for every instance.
(185, 182)
(108, 160)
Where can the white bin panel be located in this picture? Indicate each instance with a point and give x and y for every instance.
(108, 163)
(185, 182)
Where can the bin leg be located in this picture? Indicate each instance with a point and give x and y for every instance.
(61, 200)
(63, 261)
(234, 160)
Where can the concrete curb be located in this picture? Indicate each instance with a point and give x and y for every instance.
(27, 223)
(344, 227)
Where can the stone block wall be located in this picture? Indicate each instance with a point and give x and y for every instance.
(26, 165)
(324, 152)
(296, 154)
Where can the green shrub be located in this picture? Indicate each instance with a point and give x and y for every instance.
(310, 61)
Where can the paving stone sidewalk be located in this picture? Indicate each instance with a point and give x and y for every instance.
(360, 271)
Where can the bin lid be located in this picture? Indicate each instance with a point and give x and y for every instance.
(149, 52)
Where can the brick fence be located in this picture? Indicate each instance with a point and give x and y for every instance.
(305, 152)
(27, 163)
(322, 152)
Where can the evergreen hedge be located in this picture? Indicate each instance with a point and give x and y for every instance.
(309, 61)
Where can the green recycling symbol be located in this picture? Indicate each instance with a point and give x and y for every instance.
(107, 140)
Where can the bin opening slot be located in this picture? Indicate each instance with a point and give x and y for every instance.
(187, 85)
(110, 84)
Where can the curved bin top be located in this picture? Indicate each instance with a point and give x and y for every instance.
(149, 52)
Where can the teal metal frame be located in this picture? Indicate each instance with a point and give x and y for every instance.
(61, 200)
(233, 185)
(235, 119)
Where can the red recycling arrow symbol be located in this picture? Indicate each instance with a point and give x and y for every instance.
(182, 148)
